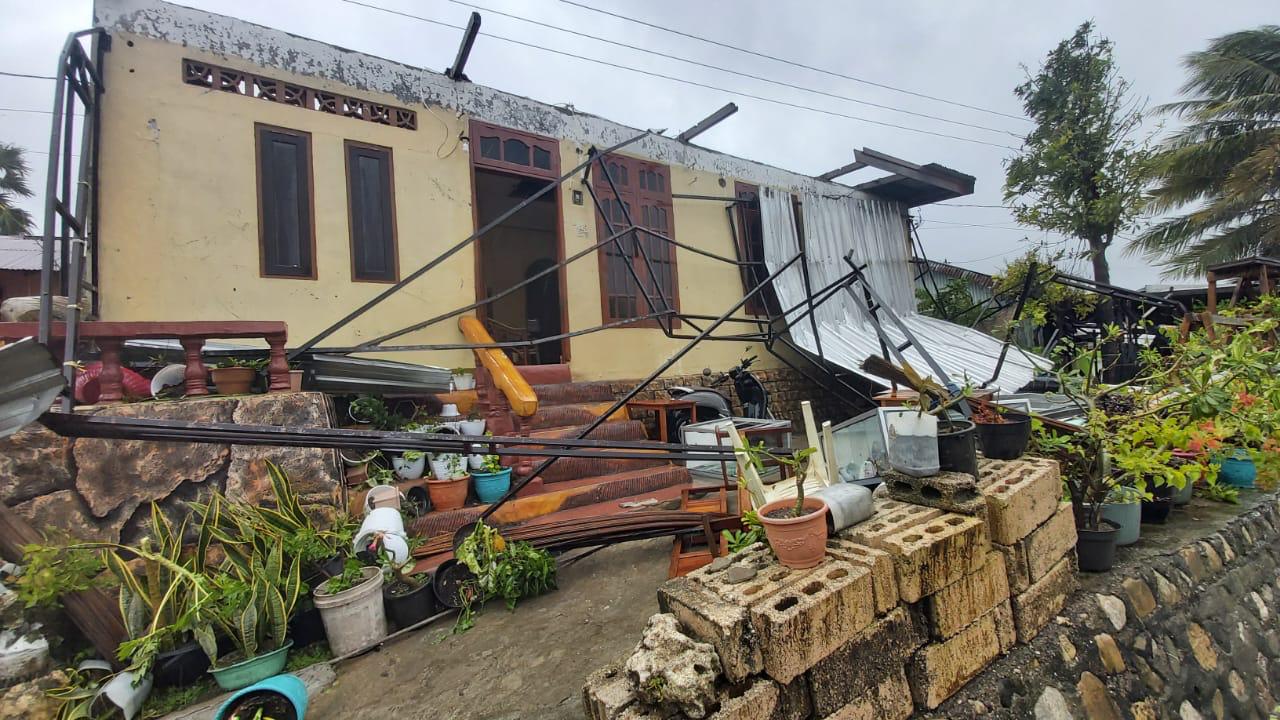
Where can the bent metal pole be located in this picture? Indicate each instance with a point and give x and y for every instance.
(622, 401)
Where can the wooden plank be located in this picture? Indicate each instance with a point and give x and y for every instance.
(95, 612)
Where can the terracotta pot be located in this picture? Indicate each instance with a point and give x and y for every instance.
(448, 494)
(798, 542)
(233, 380)
(295, 380)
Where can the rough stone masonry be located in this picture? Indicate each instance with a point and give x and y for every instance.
(907, 607)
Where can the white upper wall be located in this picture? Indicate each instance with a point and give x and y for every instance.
(270, 48)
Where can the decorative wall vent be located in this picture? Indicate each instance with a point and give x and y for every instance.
(202, 74)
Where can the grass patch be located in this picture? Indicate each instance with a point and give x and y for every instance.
(317, 652)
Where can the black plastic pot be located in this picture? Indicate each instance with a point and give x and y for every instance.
(447, 583)
(957, 447)
(1006, 440)
(181, 666)
(1096, 549)
(411, 607)
(306, 627)
(1156, 511)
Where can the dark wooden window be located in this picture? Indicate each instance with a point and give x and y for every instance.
(644, 190)
(514, 151)
(371, 212)
(750, 230)
(286, 221)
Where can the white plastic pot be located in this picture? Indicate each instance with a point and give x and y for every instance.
(471, 428)
(388, 524)
(476, 462)
(409, 469)
(353, 619)
(121, 692)
(440, 467)
(913, 443)
(464, 381)
(382, 496)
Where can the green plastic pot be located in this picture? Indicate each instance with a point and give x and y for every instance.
(255, 669)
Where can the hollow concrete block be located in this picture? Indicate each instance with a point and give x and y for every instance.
(955, 606)
(1020, 495)
(934, 554)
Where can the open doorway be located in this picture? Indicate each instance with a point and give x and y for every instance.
(524, 245)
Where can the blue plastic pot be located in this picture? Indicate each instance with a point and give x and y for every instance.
(491, 486)
(288, 686)
(1238, 471)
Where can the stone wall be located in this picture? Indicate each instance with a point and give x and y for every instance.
(906, 608)
(1191, 633)
(102, 489)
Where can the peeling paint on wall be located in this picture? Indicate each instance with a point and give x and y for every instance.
(267, 47)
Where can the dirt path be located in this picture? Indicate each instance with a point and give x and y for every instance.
(529, 664)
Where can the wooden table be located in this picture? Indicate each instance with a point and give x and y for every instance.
(662, 406)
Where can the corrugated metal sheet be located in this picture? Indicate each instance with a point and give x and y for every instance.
(874, 232)
(21, 252)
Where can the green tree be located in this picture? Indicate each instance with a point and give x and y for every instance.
(1080, 170)
(13, 185)
(1223, 168)
(953, 302)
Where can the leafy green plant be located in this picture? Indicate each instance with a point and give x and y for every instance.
(412, 455)
(380, 475)
(351, 576)
(253, 605)
(492, 464)
(797, 461)
(255, 364)
(76, 697)
(372, 410)
(55, 568)
(751, 533)
(509, 570)
(1219, 492)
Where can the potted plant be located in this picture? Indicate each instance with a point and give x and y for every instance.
(957, 445)
(1085, 470)
(492, 481)
(283, 697)
(449, 485)
(408, 596)
(1123, 506)
(235, 376)
(251, 606)
(488, 566)
(1002, 438)
(350, 605)
(372, 412)
(473, 426)
(295, 377)
(796, 529)
(410, 464)
(463, 378)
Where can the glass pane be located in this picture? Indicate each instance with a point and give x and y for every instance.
(372, 232)
(661, 182)
(541, 158)
(514, 151)
(491, 147)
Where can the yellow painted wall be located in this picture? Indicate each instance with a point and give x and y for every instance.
(179, 238)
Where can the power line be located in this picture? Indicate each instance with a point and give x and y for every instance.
(793, 63)
(25, 75)
(971, 205)
(730, 71)
(25, 110)
(672, 78)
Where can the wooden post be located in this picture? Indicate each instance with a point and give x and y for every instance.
(195, 379)
(278, 366)
(109, 382)
(1213, 293)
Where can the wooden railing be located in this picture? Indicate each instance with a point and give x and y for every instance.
(111, 336)
(517, 394)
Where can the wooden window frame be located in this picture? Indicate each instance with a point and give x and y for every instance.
(259, 130)
(347, 147)
(764, 303)
(551, 145)
(632, 192)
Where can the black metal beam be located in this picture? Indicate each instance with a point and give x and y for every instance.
(707, 123)
(393, 289)
(456, 71)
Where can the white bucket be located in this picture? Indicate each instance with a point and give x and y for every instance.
(389, 523)
(354, 619)
(382, 496)
(913, 443)
(471, 428)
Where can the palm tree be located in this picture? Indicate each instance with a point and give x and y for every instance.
(13, 184)
(1223, 168)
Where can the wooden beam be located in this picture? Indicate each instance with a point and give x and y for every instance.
(911, 170)
(845, 170)
(707, 123)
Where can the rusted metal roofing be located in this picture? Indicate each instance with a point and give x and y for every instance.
(21, 252)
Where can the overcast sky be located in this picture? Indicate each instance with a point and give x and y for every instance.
(965, 52)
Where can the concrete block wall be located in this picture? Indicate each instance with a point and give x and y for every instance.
(907, 608)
